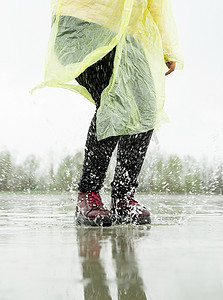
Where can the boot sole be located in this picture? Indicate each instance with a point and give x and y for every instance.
(123, 220)
(99, 221)
(143, 221)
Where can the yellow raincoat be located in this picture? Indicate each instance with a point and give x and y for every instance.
(145, 36)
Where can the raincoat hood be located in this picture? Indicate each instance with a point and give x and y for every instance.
(145, 35)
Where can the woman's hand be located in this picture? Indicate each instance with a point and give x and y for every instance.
(171, 65)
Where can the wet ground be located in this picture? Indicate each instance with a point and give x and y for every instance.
(43, 256)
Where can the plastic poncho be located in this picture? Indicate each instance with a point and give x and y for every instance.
(145, 35)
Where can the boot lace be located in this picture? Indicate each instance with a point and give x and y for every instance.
(132, 201)
(134, 206)
(126, 203)
(94, 199)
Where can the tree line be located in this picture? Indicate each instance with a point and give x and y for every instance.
(160, 173)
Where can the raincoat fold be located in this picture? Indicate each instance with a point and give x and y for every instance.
(145, 35)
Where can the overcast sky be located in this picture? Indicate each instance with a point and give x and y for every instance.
(56, 120)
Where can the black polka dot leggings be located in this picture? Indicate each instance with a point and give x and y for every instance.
(131, 148)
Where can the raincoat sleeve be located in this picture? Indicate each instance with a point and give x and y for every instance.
(161, 11)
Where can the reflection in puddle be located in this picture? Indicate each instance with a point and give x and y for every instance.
(122, 241)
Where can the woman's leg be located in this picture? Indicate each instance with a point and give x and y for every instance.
(90, 209)
(130, 156)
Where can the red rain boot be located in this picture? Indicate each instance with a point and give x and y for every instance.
(127, 210)
(90, 210)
